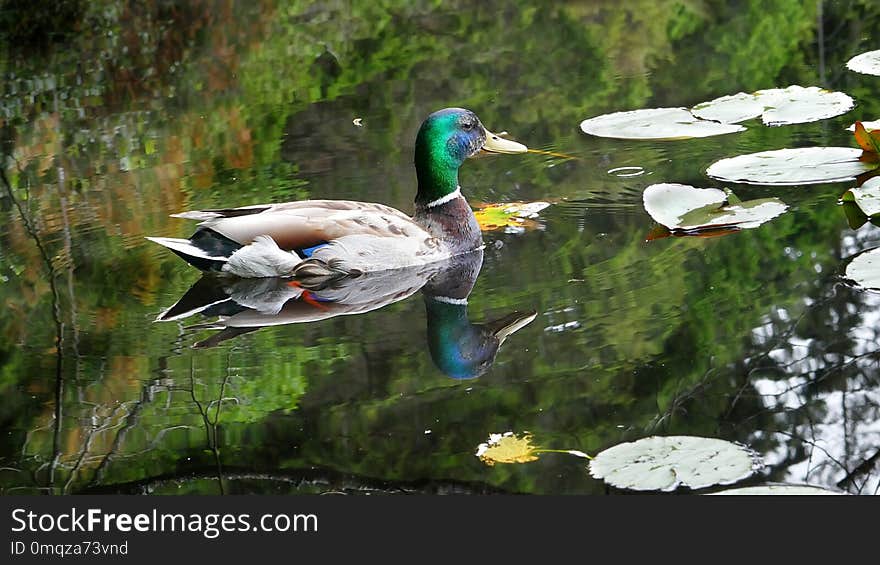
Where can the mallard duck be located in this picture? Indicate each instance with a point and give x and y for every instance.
(459, 348)
(326, 239)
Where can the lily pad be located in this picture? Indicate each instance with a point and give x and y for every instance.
(799, 105)
(864, 269)
(866, 197)
(681, 207)
(777, 106)
(786, 167)
(870, 126)
(779, 489)
(665, 463)
(655, 124)
(730, 109)
(855, 218)
(510, 216)
(866, 63)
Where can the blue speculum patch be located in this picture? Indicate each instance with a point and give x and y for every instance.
(306, 252)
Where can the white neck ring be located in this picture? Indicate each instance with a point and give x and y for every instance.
(450, 300)
(444, 199)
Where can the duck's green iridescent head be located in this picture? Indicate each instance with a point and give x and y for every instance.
(448, 137)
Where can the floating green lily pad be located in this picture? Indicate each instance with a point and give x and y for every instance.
(855, 218)
(777, 106)
(786, 167)
(865, 63)
(866, 197)
(655, 124)
(665, 463)
(864, 269)
(779, 489)
(681, 207)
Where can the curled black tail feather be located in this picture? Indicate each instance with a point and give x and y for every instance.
(206, 249)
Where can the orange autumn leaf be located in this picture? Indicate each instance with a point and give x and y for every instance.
(867, 140)
(661, 232)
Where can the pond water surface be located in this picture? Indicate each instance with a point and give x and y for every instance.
(116, 115)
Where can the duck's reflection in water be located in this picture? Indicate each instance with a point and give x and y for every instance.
(459, 348)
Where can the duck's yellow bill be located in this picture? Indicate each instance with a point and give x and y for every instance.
(497, 144)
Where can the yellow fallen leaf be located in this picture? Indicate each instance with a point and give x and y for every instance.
(511, 448)
(507, 448)
(513, 216)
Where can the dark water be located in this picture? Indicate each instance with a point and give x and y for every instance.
(115, 115)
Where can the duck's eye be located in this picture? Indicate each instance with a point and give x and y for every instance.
(467, 126)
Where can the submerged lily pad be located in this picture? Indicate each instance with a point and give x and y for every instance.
(510, 216)
(866, 197)
(655, 124)
(777, 106)
(864, 269)
(779, 489)
(665, 463)
(784, 167)
(681, 207)
(865, 63)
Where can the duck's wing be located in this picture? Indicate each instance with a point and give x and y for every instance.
(300, 225)
(215, 213)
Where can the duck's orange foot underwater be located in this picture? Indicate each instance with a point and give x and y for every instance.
(308, 297)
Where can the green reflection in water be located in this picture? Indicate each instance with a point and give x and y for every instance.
(146, 109)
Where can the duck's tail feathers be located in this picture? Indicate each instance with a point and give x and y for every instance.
(192, 253)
